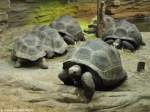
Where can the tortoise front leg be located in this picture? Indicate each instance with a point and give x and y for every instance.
(88, 85)
(18, 63)
(13, 56)
(41, 64)
(127, 45)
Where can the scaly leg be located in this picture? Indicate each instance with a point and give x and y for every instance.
(64, 77)
(88, 85)
(42, 64)
(17, 63)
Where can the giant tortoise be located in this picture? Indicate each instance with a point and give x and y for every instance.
(52, 43)
(69, 28)
(123, 35)
(93, 66)
(28, 51)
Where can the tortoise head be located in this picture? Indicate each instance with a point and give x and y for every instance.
(117, 43)
(75, 70)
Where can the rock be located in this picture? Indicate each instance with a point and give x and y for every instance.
(116, 3)
(3, 16)
(4, 7)
(31, 1)
(130, 8)
(140, 66)
(3, 20)
(25, 13)
(18, 14)
(4, 4)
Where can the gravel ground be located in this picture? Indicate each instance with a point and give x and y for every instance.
(40, 90)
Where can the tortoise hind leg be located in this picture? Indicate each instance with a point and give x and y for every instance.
(88, 86)
(127, 45)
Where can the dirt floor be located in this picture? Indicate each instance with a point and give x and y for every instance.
(36, 90)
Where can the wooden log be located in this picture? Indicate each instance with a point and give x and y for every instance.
(100, 19)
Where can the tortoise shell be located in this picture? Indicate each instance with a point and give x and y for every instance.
(67, 25)
(125, 31)
(28, 47)
(50, 39)
(102, 59)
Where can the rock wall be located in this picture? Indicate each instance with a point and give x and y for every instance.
(86, 0)
(4, 8)
(19, 13)
(22, 12)
(31, 12)
(36, 12)
(130, 8)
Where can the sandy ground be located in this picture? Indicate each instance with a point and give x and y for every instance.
(17, 85)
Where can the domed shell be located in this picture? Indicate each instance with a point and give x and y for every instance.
(29, 47)
(50, 39)
(101, 58)
(125, 31)
(69, 26)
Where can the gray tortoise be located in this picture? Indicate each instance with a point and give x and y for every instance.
(28, 51)
(69, 29)
(93, 66)
(52, 43)
(92, 27)
(123, 35)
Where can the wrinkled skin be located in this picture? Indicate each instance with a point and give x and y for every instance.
(76, 77)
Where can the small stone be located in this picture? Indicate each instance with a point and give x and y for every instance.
(140, 66)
